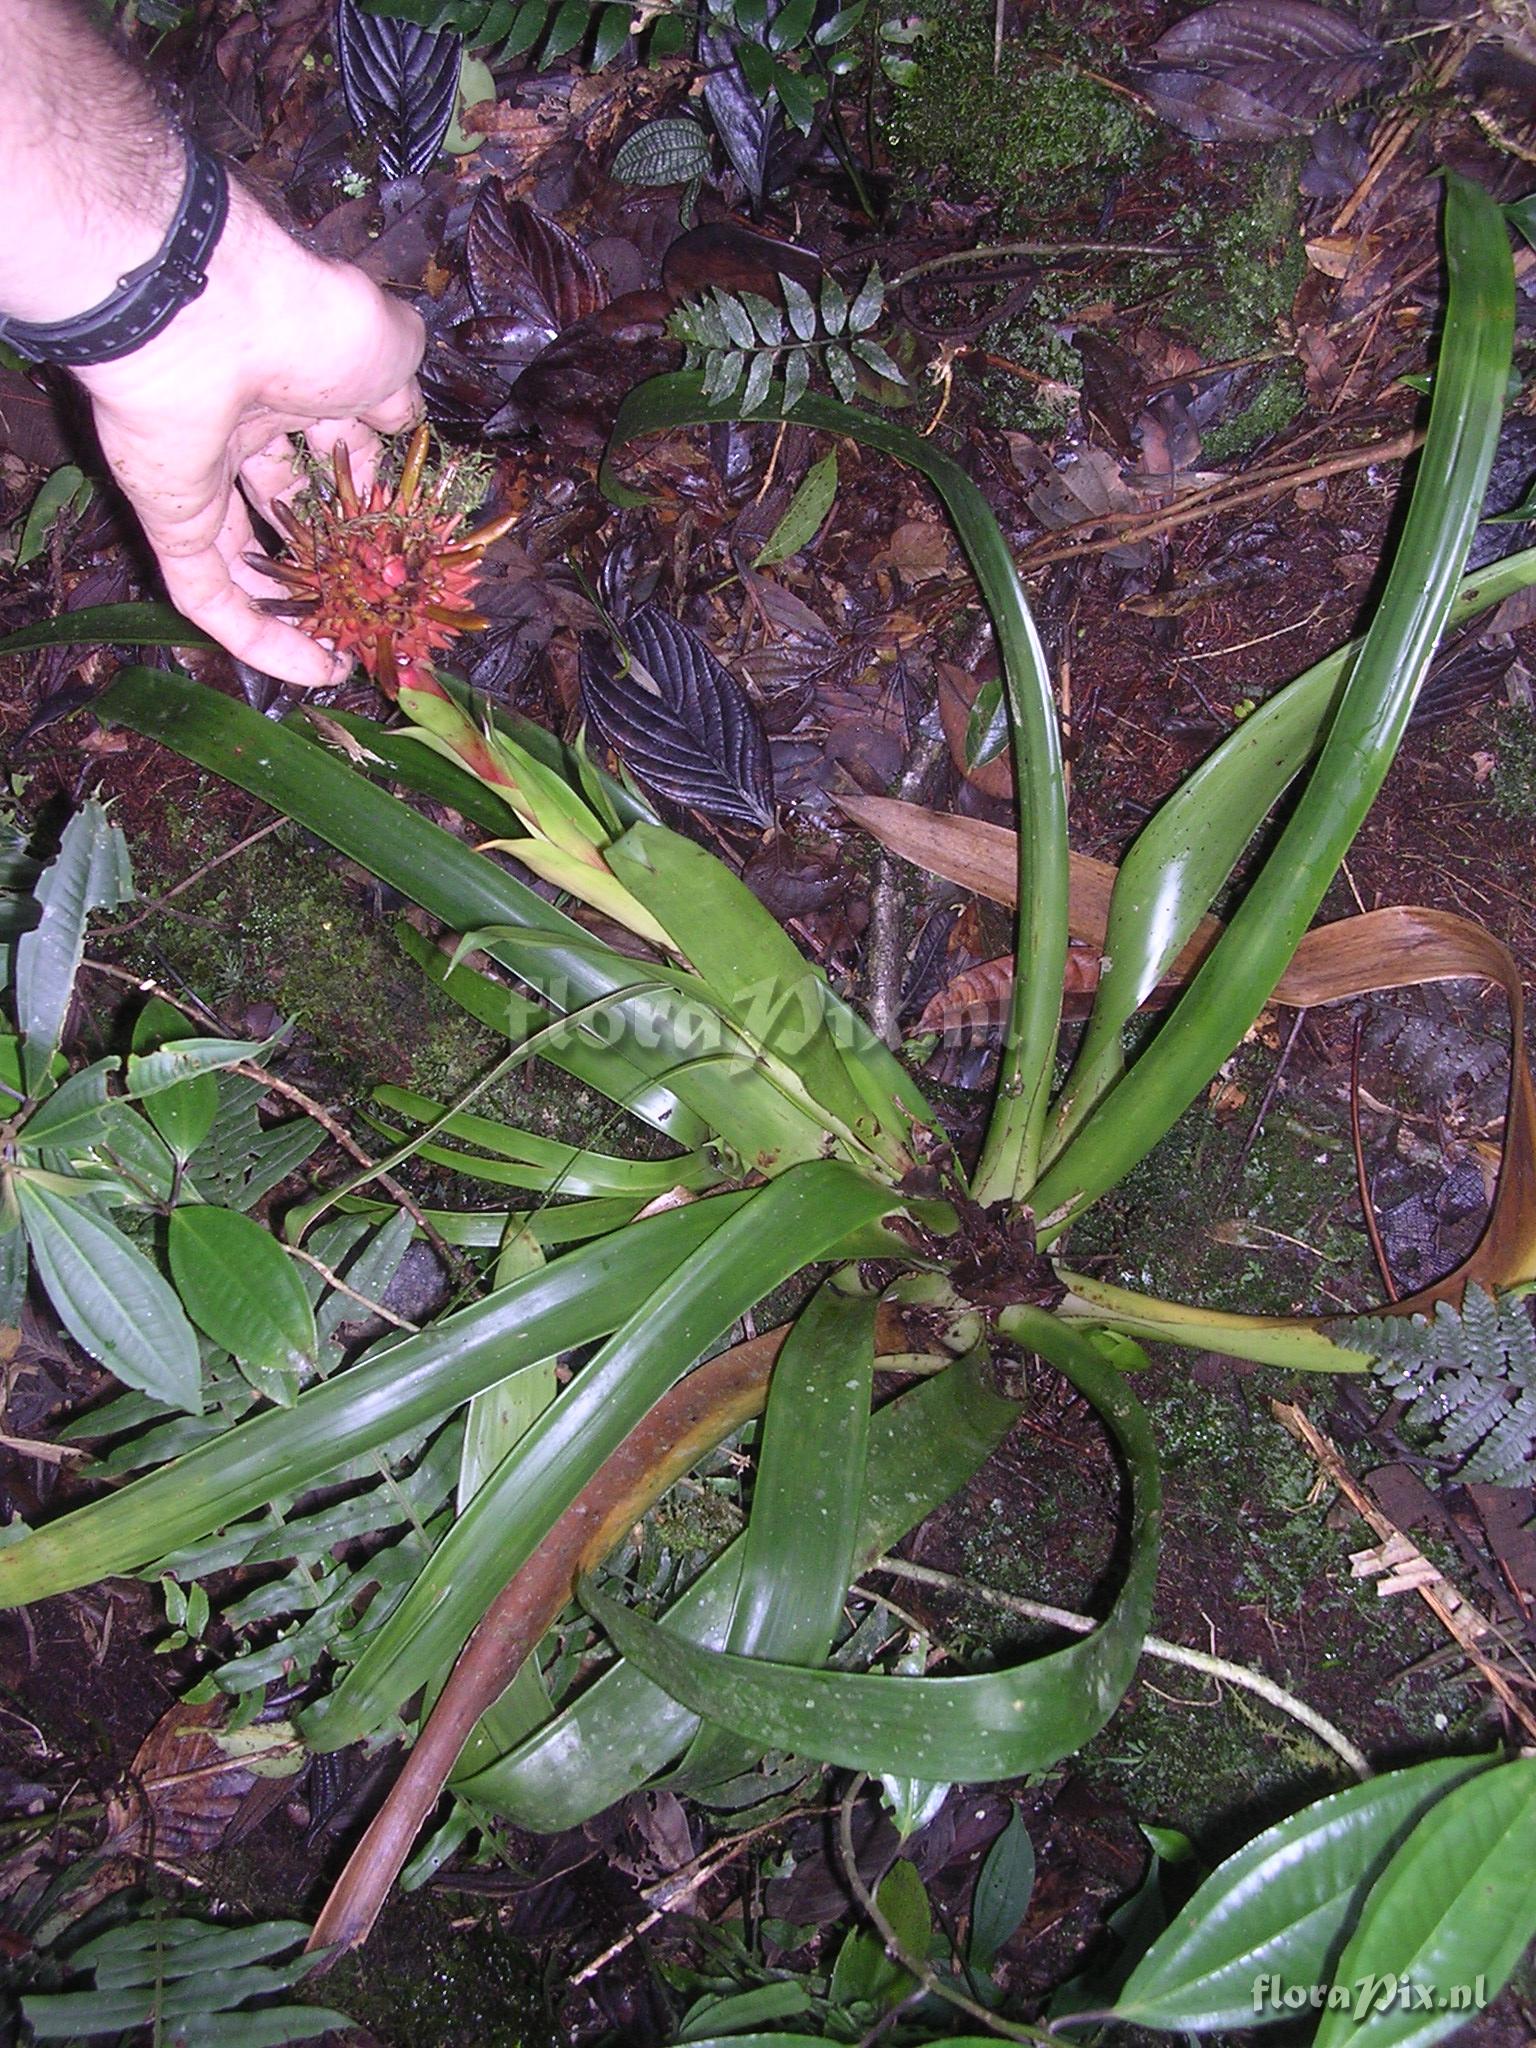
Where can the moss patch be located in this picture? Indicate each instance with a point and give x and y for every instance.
(1038, 129)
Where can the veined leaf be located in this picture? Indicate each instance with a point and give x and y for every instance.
(1280, 1906)
(110, 1298)
(1455, 1906)
(241, 1289)
(400, 1386)
(91, 872)
(987, 1725)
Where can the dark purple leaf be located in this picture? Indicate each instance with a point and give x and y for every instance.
(573, 390)
(677, 718)
(399, 82)
(1259, 70)
(526, 268)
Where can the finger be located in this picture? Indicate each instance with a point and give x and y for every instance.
(203, 586)
(361, 443)
(271, 476)
(402, 409)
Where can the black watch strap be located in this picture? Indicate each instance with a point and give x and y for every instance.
(149, 298)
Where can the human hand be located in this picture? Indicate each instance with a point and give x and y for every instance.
(280, 342)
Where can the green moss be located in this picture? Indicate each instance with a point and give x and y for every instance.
(1512, 788)
(1279, 397)
(1037, 128)
(1236, 298)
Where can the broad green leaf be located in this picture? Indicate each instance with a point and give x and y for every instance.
(241, 1289)
(800, 306)
(781, 2000)
(468, 892)
(402, 1386)
(115, 625)
(1449, 1918)
(110, 1299)
(797, 1559)
(1240, 971)
(1002, 1894)
(1282, 1904)
(842, 371)
(193, 1058)
(622, 1729)
(781, 1227)
(67, 488)
(797, 377)
(807, 511)
(91, 872)
(767, 318)
(13, 1276)
(834, 305)
(76, 1112)
(1013, 1141)
(183, 1113)
(983, 1726)
(734, 318)
(870, 300)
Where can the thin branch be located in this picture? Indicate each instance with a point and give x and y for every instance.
(917, 1966)
(1152, 1646)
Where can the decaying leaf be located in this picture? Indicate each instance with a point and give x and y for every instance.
(1259, 70)
(186, 1784)
(677, 718)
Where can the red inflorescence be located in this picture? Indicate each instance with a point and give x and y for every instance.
(386, 577)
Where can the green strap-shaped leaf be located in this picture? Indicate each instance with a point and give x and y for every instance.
(1180, 859)
(994, 1724)
(622, 1728)
(110, 1298)
(547, 1165)
(798, 1555)
(1456, 1907)
(398, 1387)
(467, 891)
(1280, 1905)
(1013, 1140)
(751, 967)
(518, 1017)
(241, 1289)
(90, 873)
(1241, 970)
(114, 625)
(787, 1224)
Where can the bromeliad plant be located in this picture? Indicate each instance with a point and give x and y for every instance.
(803, 1144)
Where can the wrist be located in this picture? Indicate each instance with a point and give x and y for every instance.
(91, 167)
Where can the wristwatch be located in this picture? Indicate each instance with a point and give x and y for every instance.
(149, 298)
